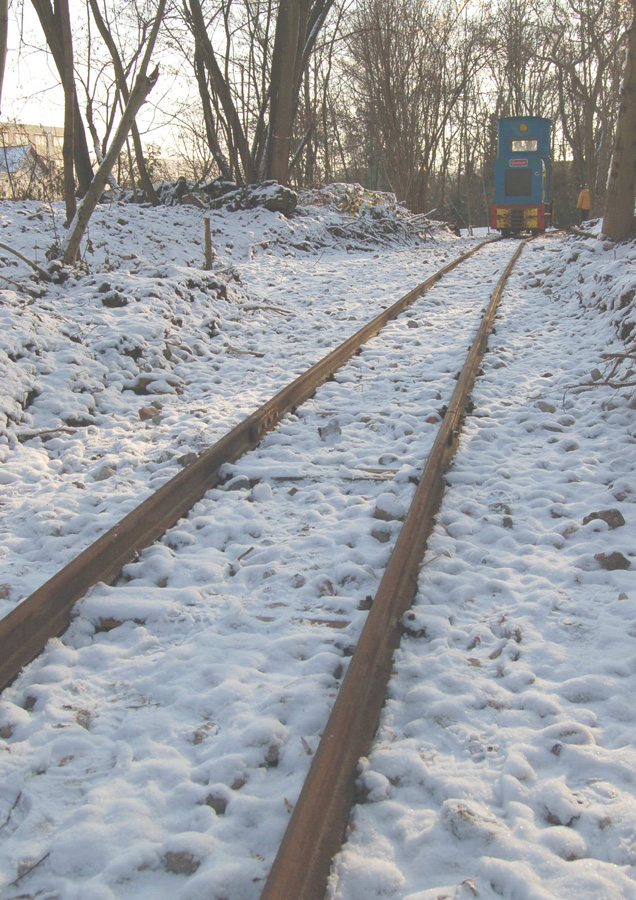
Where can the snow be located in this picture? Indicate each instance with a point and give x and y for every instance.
(157, 748)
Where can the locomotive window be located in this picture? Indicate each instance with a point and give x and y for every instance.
(518, 182)
(524, 145)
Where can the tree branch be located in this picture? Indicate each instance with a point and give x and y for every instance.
(71, 244)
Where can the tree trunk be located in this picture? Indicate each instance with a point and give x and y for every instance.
(68, 83)
(222, 88)
(83, 164)
(120, 75)
(131, 172)
(143, 85)
(97, 146)
(282, 90)
(4, 32)
(70, 247)
(50, 22)
(590, 163)
(621, 188)
(208, 118)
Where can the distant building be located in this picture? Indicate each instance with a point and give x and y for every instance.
(12, 159)
(46, 140)
(29, 156)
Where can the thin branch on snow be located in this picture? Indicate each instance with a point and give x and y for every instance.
(44, 275)
(30, 869)
(278, 309)
(15, 803)
(239, 352)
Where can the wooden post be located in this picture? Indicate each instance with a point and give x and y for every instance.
(209, 253)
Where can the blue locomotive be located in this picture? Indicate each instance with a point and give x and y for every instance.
(522, 176)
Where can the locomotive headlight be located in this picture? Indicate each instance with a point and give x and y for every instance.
(523, 127)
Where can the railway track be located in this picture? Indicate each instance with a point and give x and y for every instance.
(146, 656)
(46, 612)
(318, 823)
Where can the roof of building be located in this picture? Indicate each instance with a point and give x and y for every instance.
(11, 158)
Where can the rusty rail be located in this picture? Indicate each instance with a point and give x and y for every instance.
(47, 612)
(317, 826)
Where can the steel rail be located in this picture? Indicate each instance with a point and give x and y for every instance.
(46, 613)
(317, 826)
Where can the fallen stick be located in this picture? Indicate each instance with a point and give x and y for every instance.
(44, 275)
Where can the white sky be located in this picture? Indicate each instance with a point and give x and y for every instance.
(32, 93)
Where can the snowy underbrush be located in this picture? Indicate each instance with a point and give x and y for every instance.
(115, 377)
(602, 275)
(357, 217)
(338, 215)
(140, 307)
(65, 360)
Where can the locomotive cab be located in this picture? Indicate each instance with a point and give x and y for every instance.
(522, 176)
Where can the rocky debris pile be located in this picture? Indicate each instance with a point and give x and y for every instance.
(350, 216)
(370, 216)
(223, 194)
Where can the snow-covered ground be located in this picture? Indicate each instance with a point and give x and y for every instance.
(156, 749)
(506, 761)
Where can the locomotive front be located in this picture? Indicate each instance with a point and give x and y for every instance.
(522, 176)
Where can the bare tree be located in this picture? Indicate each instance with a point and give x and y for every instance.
(192, 147)
(51, 20)
(283, 89)
(144, 83)
(314, 136)
(142, 87)
(209, 117)
(250, 96)
(517, 50)
(68, 83)
(4, 33)
(122, 85)
(221, 91)
(618, 220)
(410, 65)
(583, 40)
